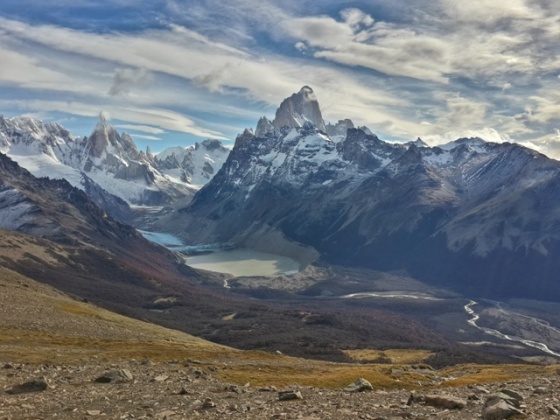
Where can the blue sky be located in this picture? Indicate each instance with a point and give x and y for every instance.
(173, 72)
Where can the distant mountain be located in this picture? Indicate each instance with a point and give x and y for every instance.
(194, 165)
(107, 165)
(479, 217)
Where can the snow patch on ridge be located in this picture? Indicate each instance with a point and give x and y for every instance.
(14, 210)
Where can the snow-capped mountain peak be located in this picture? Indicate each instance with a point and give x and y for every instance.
(298, 109)
(109, 160)
(194, 165)
(480, 217)
(337, 132)
(264, 126)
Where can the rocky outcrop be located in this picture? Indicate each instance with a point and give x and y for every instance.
(264, 126)
(502, 405)
(36, 385)
(338, 130)
(115, 376)
(359, 385)
(298, 109)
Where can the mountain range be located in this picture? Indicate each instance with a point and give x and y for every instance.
(108, 166)
(478, 217)
(53, 233)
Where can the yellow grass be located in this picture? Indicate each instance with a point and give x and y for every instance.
(67, 331)
(396, 356)
(463, 375)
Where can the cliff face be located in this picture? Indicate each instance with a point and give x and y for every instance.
(298, 109)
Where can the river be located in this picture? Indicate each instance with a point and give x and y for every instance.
(474, 317)
(530, 343)
(243, 262)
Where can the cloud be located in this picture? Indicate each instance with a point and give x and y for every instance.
(21, 70)
(437, 68)
(545, 109)
(301, 46)
(356, 18)
(488, 12)
(145, 137)
(141, 128)
(548, 144)
(164, 119)
(214, 79)
(461, 113)
(486, 133)
(449, 43)
(104, 117)
(321, 31)
(359, 41)
(126, 79)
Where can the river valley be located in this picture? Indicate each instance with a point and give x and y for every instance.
(521, 327)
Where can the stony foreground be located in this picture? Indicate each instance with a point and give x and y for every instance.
(184, 390)
(67, 359)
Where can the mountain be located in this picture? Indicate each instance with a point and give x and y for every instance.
(194, 165)
(53, 233)
(55, 210)
(478, 217)
(107, 165)
(299, 109)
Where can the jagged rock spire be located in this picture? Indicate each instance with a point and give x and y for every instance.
(298, 109)
(263, 126)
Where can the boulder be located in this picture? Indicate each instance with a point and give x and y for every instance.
(359, 385)
(445, 401)
(36, 385)
(497, 407)
(115, 376)
(514, 396)
(289, 395)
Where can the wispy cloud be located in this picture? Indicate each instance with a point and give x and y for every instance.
(145, 137)
(161, 118)
(126, 79)
(141, 128)
(208, 68)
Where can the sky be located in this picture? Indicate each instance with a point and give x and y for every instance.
(173, 72)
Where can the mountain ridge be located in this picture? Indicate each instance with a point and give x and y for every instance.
(472, 215)
(106, 164)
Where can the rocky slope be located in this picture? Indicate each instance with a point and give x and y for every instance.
(55, 210)
(71, 360)
(475, 216)
(189, 389)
